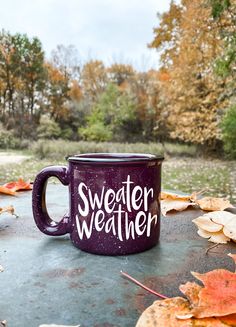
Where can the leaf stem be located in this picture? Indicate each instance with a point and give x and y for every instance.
(211, 247)
(143, 286)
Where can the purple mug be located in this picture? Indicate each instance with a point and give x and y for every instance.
(114, 202)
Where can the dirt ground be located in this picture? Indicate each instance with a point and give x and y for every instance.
(11, 158)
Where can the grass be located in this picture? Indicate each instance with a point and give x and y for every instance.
(181, 174)
(58, 149)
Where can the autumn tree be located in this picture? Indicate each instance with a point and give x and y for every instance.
(93, 79)
(189, 47)
(66, 60)
(120, 73)
(22, 79)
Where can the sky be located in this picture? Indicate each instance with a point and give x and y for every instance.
(108, 30)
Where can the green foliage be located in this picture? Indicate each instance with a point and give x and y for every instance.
(96, 131)
(228, 126)
(224, 65)
(48, 128)
(218, 6)
(7, 139)
(112, 117)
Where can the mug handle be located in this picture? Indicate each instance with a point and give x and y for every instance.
(44, 223)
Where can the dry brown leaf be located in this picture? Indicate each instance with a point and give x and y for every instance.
(230, 229)
(220, 217)
(174, 196)
(225, 223)
(1, 269)
(10, 209)
(191, 291)
(219, 238)
(165, 313)
(213, 204)
(203, 233)
(204, 222)
(177, 205)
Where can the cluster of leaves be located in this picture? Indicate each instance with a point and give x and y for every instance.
(213, 304)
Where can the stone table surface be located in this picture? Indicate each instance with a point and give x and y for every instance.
(47, 280)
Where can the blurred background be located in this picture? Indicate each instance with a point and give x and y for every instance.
(117, 76)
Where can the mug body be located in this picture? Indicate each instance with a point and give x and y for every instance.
(114, 202)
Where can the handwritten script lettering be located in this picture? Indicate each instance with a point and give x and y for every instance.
(118, 205)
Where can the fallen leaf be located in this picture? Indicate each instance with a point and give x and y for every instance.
(217, 226)
(220, 217)
(174, 196)
(165, 313)
(6, 190)
(229, 320)
(213, 204)
(20, 185)
(204, 222)
(169, 205)
(230, 229)
(191, 291)
(218, 296)
(210, 305)
(1, 269)
(219, 238)
(10, 209)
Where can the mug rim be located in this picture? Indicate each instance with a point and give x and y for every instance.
(107, 157)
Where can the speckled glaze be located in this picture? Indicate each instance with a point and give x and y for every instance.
(109, 177)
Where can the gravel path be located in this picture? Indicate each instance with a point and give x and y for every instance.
(11, 158)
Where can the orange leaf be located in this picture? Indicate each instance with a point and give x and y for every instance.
(191, 291)
(174, 196)
(218, 296)
(165, 313)
(6, 190)
(18, 186)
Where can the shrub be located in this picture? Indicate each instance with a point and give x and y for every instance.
(96, 131)
(228, 126)
(48, 128)
(8, 140)
(59, 149)
(113, 117)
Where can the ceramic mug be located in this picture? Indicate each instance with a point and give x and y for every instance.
(114, 202)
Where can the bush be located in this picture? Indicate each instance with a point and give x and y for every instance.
(113, 117)
(8, 140)
(48, 128)
(59, 149)
(96, 131)
(228, 126)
